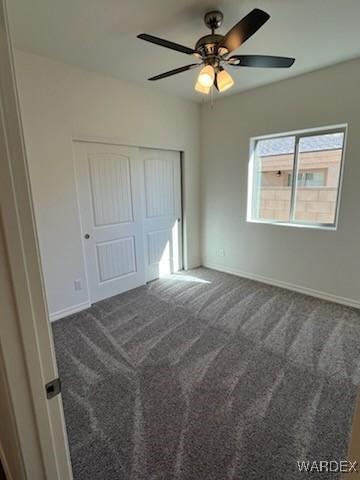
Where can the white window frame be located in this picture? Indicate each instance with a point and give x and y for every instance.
(298, 134)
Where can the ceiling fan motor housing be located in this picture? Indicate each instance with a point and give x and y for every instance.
(208, 45)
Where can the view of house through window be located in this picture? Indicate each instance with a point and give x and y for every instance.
(296, 178)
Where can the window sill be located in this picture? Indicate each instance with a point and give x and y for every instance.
(318, 226)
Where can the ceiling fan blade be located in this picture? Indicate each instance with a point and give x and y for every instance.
(261, 61)
(175, 71)
(244, 29)
(166, 43)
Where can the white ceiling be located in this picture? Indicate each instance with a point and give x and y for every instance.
(100, 35)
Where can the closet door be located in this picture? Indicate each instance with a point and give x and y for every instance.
(162, 221)
(109, 180)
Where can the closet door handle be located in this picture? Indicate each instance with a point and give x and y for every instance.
(86, 236)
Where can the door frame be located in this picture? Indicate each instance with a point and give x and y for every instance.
(37, 429)
(118, 142)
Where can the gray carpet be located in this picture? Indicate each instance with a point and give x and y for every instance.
(207, 376)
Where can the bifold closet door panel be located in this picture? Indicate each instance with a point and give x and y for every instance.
(109, 182)
(162, 223)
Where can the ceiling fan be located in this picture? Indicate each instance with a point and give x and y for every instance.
(213, 51)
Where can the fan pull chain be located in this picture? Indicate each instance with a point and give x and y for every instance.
(212, 97)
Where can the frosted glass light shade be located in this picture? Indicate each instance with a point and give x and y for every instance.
(224, 80)
(206, 76)
(201, 89)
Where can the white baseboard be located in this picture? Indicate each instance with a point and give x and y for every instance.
(69, 311)
(350, 302)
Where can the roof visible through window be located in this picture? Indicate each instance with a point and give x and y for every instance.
(285, 145)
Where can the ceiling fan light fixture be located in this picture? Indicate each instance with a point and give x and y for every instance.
(201, 89)
(223, 51)
(224, 80)
(206, 76)
(213, 50)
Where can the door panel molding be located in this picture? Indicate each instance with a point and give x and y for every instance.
(159, 174)
(115, 259)
(118, 208)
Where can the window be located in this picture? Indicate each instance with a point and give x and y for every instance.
(309, 179)
(294, 179)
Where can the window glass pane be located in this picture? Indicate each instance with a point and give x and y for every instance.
(309, 179)
(274, 161)
(319, 167)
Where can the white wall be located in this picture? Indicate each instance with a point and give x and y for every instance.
(313, 259)
(58, 103)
